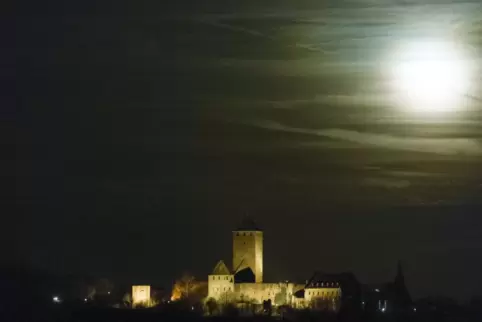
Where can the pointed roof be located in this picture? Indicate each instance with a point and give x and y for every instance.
(399, 278)
(248, 224)
(221, 269)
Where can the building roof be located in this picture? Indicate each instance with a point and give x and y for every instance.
(221, 269)
(320, 279)
(248, 224)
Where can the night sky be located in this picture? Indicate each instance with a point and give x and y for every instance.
(146, 131)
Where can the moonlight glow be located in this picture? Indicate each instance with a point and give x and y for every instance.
(430, 77)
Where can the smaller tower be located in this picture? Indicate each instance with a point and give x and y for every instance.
(141, 294)
(221, 283)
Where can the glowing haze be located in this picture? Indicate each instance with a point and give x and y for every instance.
(431, 76)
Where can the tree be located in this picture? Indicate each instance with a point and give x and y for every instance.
(104, 286)
(127, 300)
(211, 305)
(230, 310)
(91, 291)
(182, 287)
(187, 288)
(187, 282)
(267, 307)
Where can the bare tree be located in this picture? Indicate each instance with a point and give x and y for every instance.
(127, 300)
(182, 287)
(187, 282)
(211, 305)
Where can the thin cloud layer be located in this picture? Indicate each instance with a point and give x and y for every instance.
(442, 146)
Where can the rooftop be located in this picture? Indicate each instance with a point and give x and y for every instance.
(221, 269)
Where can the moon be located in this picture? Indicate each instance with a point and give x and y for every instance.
(430, 77)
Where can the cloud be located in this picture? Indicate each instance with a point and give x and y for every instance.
(248, 31)
(442, 146)
(386, 183)
(412, 174)
(256, 33)
(369, 100)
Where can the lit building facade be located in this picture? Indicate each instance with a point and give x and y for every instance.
(141, 294)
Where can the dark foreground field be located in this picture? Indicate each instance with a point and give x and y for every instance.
(78, 314)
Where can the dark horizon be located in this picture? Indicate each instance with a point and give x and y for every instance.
(146, 132)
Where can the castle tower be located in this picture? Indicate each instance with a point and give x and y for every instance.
(248, 249)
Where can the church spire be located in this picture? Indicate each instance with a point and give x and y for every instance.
(399, 278)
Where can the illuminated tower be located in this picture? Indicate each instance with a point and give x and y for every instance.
(248, 249)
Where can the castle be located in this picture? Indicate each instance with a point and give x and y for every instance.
(243, 283)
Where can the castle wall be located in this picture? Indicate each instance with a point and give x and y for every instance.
(278, 293)
(248, 252)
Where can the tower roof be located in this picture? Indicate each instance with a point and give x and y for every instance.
(221, 269)
(248, 224)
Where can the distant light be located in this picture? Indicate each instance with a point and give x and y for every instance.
(85, 300)
(414, 309)
(108, 292)
(377, 290)
(383, 309)
(168, 301)
(56, 299)
(363, 302)
(192, 308)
